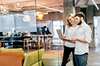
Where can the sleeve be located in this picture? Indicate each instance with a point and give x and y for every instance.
(88, 33)
(66, 31)
(66, 34)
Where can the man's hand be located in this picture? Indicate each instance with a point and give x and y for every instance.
(68, 40)
(80, 39)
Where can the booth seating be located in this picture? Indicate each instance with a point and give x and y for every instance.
(34, 58)
(17, 57)
(11, 57)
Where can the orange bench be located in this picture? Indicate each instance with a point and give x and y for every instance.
(11, 57)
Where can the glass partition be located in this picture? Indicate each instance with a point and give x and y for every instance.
(31, 25)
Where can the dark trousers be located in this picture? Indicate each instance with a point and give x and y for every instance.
(81, 60)
(66, 54)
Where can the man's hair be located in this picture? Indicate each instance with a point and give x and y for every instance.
(80, 14)
(69, 24)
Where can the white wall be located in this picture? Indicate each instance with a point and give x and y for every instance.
(97, 31)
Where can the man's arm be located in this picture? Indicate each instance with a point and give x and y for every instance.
(82, 40)
(67, 39)
(86, 38)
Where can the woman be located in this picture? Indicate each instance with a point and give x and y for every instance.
(69, 44)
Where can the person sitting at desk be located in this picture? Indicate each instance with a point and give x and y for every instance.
(45, 30)
(1, 37)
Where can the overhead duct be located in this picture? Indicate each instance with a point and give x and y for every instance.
(95, 4)
(81, 3)
(85, 3)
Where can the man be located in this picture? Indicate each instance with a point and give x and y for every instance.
(82, 39)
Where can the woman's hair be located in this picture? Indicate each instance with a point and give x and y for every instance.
(69, 24)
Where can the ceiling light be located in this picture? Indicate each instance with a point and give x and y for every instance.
(39, 15)
(3, 10)
(17, 4)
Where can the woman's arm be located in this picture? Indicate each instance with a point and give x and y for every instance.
(71, 41)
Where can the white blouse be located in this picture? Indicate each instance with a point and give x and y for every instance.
(69, 33)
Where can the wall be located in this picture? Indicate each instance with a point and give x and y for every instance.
(91, 12)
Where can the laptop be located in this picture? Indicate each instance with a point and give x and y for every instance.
(59, 33)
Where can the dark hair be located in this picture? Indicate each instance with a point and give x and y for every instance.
(69, 24)
(80, 14)
(79, 23)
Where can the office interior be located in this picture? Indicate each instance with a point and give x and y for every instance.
(28, 35)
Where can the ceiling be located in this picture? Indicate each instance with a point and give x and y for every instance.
(41, 5)
(83, 3)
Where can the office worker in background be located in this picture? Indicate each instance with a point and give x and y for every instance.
(1, 37)
(69, 44)
(45, 30)
(82, 39)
